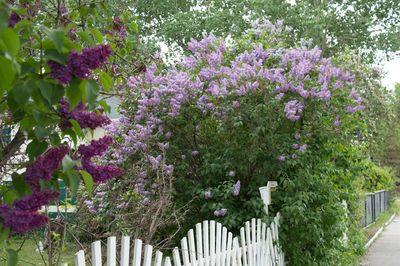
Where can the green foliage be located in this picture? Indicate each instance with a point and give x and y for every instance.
(364, 26)
(378, 178)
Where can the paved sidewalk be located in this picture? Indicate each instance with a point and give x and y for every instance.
(385, 251)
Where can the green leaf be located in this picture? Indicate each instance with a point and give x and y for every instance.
(52, 93)
(134, 27)
(3, 18)
(19, 184)
(12, 257)
(35, 148)
(91, 91)
(7, 74)
(56, 36)
(69, 164)
(22, 92)
(97, 35)
(74, 93)
(77, 127)
(4, 233)
(105, 106)
(88, 180)
(54, 55)
(41, 132)
(11, 41)
(106, 81)
(72, 181)
(10, 196)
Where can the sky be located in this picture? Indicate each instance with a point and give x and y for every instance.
(392, 69)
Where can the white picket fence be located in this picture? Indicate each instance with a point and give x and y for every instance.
(210, 244)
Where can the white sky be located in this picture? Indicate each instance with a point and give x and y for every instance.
(392, 69)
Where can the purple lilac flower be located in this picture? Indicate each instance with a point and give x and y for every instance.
(169, 169)
(20, 221)
(195, 153)
(236, 104)
(154, 161)
(36, 200)
(279, 96)
(146, 201)
(295, 146)
(281, 158)
(122, 205)
(303, 148)
(236, 188)
(220, 212)
(44, 166)
(80, 64)
(101, 173)
(14, 19)
(297, 136)
(163, 146)
(80, 114)
(337, 121)
(60, 72)
(293, 110)
(90, 205)
(96, 147)
(232, 173)
(208, 194)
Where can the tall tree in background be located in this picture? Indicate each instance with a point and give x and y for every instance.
(362, 25)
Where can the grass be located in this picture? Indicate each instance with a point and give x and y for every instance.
(394, 208)
(28, 255)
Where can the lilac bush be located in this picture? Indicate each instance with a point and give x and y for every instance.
(231, 115)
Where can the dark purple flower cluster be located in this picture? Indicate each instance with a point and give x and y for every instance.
(100, 173)
(36, 200)
(14, 19)
(80, 64)
(45, 165)
(20, 221)
(22, 216)
(59, 72)
(96, 147)
(81, 115)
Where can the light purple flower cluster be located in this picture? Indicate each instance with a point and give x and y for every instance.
(100, 173)
(45, 165)
(236, 188)
(358, 100)
(208, 194)
(81, 64)
(294, 109)
(90, 205)
(80, 114)
(221, 212)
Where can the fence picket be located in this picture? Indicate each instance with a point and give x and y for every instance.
(148, 251)
(125, 245)
(158, 259)
(177, 259)
(112, 251)
(208, 244)
(223, 246)
(137, 252)
(96, 253)
(80, 258)
(199, 243)
(192, 248)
